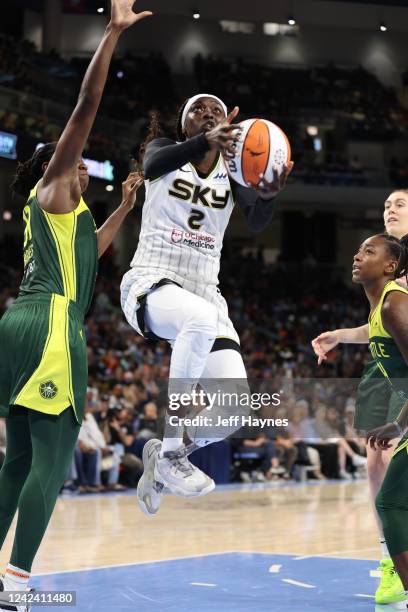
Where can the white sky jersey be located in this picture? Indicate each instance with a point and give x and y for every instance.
(183, 224)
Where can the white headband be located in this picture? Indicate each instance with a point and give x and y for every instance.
(194, 99)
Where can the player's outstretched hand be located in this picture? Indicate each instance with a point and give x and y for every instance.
(325, 343)
(381, 437)
(123, 16)
(130, 187)
(224, 137)
(268, 191)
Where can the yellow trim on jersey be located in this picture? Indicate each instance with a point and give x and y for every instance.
(375, 324)
(63, 230)
(55, 365)
(400, 448)
(82, 207)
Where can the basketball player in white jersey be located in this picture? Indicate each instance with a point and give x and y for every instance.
(171, 290)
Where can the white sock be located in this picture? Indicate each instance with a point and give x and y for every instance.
(171, 444)
(15, 579)
(384, 549)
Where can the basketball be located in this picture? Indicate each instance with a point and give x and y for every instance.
(261, 146)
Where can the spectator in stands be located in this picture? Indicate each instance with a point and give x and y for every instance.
(93, 455)
(119, 429)
(285, 446)
(302, 434)
(149, 423)
(256, 443)
(327, 433)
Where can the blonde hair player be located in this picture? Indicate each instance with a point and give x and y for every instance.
(374, 405)
(171, 291)
(43, 372)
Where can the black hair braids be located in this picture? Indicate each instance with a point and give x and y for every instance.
(399, 250)
(179, 128)
(29, 172)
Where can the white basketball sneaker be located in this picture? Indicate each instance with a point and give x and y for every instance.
(149, 490)
(182, 477)
(8, 606)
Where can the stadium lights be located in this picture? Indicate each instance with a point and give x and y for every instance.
(383, 27)
(196, 15)
(7, 216)
(100, 10)
(109, 188)
(291, 20)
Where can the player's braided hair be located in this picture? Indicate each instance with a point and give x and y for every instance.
(399, 250)
(155, 129)
(179, 128)
(28, 173)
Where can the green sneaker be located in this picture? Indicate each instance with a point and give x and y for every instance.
(390, 589)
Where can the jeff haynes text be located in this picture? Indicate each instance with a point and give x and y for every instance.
(230, 421)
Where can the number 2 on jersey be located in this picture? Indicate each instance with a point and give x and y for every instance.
(194, 219)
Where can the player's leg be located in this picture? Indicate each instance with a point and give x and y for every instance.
(187, 320)
(224, 373)
(15, 468)
(378, 462)
(53, 441)
(392, 507)
(376, 406)
(189, 323)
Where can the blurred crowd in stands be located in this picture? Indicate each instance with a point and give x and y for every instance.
(367, 108)
(353, 101)
(276, 314)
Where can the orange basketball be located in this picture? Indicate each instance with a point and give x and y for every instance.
(261, 147)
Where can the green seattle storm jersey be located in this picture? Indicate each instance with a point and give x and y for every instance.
(383, 347)
(60, 252)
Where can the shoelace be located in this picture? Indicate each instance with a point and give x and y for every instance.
(158, 486)
(183, 465)
(388, 573)
(179, 459)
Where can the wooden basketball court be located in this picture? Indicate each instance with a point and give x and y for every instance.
(282, 541)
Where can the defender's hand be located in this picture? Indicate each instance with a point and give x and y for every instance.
(381, 436)
(325, 343)
(123, 16)
(130, 187)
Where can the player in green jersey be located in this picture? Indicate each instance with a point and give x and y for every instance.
(376, 403)
(380, 260)
(43, 359)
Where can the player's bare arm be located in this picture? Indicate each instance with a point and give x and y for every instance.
(108, 231)
(327, 341)
(55, 191)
